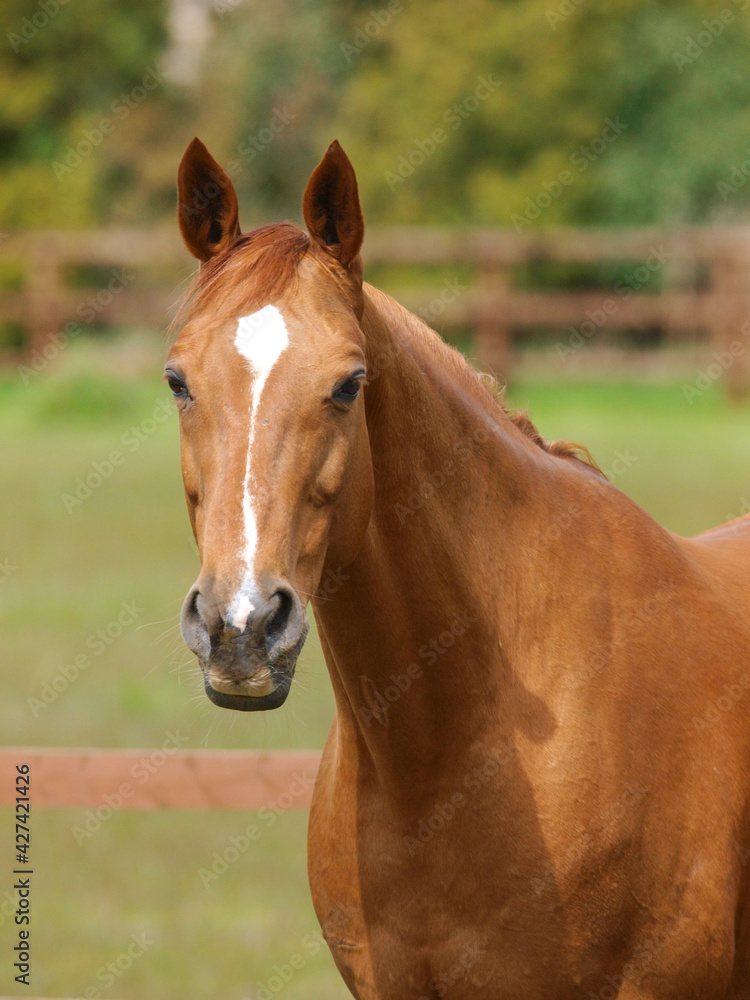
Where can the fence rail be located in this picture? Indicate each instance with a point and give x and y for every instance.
(162, 779)
(492, 307)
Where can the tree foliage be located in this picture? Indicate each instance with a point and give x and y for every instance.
(523, 113)
(61, 69)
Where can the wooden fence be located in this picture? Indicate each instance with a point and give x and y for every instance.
(703, 276)
(167, 779)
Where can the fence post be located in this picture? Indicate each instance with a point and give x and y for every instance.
(45, 294)
(731, 284)
(493, 334)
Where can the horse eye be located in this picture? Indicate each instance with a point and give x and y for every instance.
(347, 392)
(178, 387)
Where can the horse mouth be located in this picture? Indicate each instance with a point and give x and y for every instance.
(249, 680)
(244, 701)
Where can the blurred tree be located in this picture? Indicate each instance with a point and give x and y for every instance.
(681, 81)
(261, 92)
(629, 112)
(63, 71)
(502, 112)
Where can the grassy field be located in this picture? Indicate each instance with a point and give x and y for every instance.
(69, 564)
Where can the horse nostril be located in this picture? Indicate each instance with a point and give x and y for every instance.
(190, 609)
(277, 618)
(193, 624)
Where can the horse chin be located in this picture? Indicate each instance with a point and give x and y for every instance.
(252, 703)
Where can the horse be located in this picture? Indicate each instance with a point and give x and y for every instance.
(535, 785)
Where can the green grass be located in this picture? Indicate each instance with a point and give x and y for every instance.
(129, 541)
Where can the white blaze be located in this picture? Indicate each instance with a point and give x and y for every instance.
(260, 339)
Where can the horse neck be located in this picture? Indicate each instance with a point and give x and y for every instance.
(419, 631)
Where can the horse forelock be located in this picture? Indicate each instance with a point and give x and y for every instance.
(256, 266)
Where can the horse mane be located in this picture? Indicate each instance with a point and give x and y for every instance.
(522, 420)
(561, 449)
(486, 388)
(270, 257)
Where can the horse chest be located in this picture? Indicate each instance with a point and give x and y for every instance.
(419, 944)
(434, 909)
(458, 904)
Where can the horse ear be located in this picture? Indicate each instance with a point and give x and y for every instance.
(207, 204)
(331, 206)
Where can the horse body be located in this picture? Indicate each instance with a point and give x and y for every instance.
(526, 818)
(536, 783)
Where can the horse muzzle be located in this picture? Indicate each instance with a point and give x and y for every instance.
(248, 669)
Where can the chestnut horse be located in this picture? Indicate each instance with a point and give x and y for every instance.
(536, 783)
